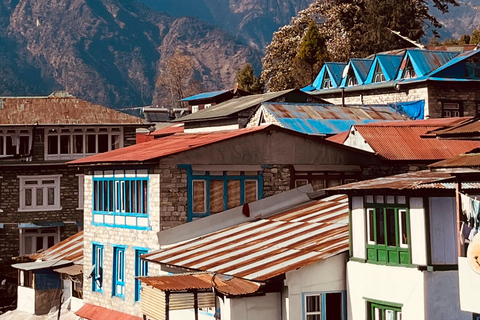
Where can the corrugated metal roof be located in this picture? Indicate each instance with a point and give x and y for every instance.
(202, 281)
(70, 249)
(455, 67)
(469, 127)
(327, 119)
(265, 248)
(174, 128)
(406, 143)
(360, 67)
(335, 69)
(389, 63)
(233, 106)
(469, 160)
(37, 265)
(53, 110)
(408, 181)
(425, 61)
(205, 95)
(92, 312)
(166, 146)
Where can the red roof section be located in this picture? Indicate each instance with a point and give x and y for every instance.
(165, 131)
(165, 146)
(92, 312)
(407, 143)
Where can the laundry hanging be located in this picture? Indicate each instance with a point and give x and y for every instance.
(470, 208)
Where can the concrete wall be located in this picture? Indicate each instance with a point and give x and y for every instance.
(26, 299)
(109, 236)
(323, 276)
(267, 307)
(385, 283)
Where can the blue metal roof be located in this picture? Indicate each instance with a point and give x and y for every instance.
(459, 67)
(205, 95)
(425, 61)
(327, 119)
(389, 64)
(334, 71)
(360, 68)
(27, 225)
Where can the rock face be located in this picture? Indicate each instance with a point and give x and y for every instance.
(107, 51)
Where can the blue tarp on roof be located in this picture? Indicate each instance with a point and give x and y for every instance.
(389, 64)
(39, 225)
(414, 110)
(205, 95)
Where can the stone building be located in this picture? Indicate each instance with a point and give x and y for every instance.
(41, 199)
(134, 193)
(444, 83)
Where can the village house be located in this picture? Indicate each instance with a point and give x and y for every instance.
(132, 194)
(285, 260)
(205, 100)
(403, 247)
(442, 83)
(41, 199)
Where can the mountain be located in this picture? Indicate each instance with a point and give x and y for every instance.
(254, 21)
(108, 51)
(459, 20)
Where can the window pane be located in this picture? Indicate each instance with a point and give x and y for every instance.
(115, 142)
(39, 241)
(1, 145)
(334, 182)
(91, 143)
(51, 241)
(28, 197)
(102, 142)
(251, 191)
(233, 193)
(51, 196)
(64, 144)
(24, 145)
(380, 226)
(52, 147)
(28, 245)
(199, 196)
(10, 148)
(77, 144)
(391, 234)
(333, 306)
(371, 228)
(318, 184)
(216, 196)
(313, 303)
(389, 315)
(39, 197)
(300, 182)
(403, 226)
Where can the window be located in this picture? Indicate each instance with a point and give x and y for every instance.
(81, 179)
(97, 263)
(351, 79)
(141, 269)
(324, 306)
(327, 82)
(380, 311)
(388, 239)
(194, 109)
(118, 272)
(26, 278)
(74, 143)
(212, 192)
(35, 239)
(120, 198)
(39, 193)
(378, 75)
(452, 109)
(15, 142)
(408, 72)
(321, 180)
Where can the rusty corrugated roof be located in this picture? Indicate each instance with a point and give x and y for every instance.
(268, 247)
(467, 128)
(400, 142)
(469, 160)
(92, 312)
(70, 249)
(165, 146)
(424, 179)
(52, 110)
(202, 281)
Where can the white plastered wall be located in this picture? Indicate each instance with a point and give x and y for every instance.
(358, 228)
(267, 307)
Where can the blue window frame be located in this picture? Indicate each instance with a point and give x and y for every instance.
(324, 306)
(120, 198)
(141, 269)
(212, 192)
(97, 263)
(118, 281)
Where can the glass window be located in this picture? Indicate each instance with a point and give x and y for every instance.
(141, 269)
(40, 192)
(382, 311)
(119, 271)
(325, 306)
(97, 263)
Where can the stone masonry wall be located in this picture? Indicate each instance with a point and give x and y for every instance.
(276, 179)
(469, 94)
(10, 215)
(266, 115)
(110, 236)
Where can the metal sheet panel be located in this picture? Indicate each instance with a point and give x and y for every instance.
(153, 303)
(70, 249)
(262, 249)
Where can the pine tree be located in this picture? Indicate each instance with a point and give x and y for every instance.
(247, 80)
(475, 38)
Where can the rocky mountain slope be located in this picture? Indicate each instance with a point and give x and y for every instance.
(107, 51)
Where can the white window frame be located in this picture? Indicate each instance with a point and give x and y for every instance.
(313, 313)
(400, 229)
(79, 131)
(39, 234)
(368, 226)
(15, 134)
(45, 206)
(208, 105)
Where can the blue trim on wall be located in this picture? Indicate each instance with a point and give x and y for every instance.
(96, 261)
(138, 273)
(118, 271)
(97, 224)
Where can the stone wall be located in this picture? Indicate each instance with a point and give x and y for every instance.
(466, 92)
(10, 216)
(267, 116)
(111, 236)
(276, 179)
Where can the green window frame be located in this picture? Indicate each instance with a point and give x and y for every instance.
(388, 230)
(384, 311)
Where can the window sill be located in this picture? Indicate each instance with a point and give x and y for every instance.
(39, 209)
